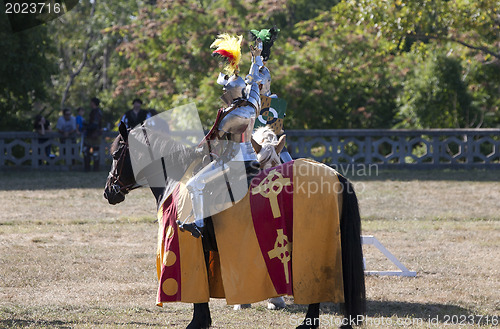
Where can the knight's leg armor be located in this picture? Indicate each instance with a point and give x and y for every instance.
(195, 187)
(217, 186)
(203, 188)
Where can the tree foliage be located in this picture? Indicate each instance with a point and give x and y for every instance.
(437, 84)
(88, 62)
(336, 77)
(452, 52)
(168, 47)
(25, 72)
(338, 64)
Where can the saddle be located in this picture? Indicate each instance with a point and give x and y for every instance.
(212, 134)
(207, 232)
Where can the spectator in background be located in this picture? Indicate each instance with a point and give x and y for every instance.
(42, 127)
(80, 121)
(93, 137)
(80, 126)
(66, 125)
(136, 115)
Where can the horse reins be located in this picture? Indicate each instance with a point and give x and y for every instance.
(117, 185)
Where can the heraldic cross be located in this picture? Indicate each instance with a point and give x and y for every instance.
(270, 187)
(282, 250)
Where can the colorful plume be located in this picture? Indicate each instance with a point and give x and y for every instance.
(228, 47)
(268, 36)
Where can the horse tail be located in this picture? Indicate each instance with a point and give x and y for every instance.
(352, 253)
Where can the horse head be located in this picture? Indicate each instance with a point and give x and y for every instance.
(121, 176)
(268, 147)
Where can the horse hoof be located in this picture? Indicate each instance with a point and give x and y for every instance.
(238, 307)
(276, 303)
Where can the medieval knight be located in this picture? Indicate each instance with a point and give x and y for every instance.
(233, 129)
(268, 36)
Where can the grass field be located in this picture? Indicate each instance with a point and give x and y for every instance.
(70, 260)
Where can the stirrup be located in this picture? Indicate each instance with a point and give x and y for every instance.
(191, 228)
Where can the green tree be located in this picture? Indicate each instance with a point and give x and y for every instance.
(436, 96)
(168, 47)
(336, 76)
(467, 32)
(472, 24)
(167, 52)
(88, 62)
(484, 86)
(347, 64)
(24, 74)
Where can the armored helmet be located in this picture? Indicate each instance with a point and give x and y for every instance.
(233, 87)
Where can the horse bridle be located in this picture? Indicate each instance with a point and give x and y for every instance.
(269, 156)
(117, 186)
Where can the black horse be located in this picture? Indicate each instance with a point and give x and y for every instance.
(121, 180)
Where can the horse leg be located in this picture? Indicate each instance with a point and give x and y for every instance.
(238, 307)
(276, 303)
(201, 317)
(312, 317)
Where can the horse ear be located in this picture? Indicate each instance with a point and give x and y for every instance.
(281, 144)
(256, 146)
(123, 131)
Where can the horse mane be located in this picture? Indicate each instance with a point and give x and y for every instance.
(115, 144)
(265, 135)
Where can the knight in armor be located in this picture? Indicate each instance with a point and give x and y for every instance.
(268, 99)
(232, 130)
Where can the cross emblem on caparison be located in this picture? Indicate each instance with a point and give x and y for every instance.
(270, 187)
(282, 250)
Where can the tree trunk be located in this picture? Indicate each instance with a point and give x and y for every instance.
(74, 74)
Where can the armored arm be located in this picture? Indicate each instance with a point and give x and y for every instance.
(259, 73)
(254, 74)
(252, 95)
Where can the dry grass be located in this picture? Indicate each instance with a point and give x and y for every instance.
(432, 195)
(69, 260)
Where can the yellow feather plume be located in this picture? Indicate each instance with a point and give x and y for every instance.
(228, 47)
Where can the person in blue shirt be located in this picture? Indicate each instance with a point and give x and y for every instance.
(80, 121)
(93, 136)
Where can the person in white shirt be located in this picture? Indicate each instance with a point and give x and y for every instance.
(66, 125)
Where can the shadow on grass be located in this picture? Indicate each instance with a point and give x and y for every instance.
(16, 323)
(50, 180)
(377, 309)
